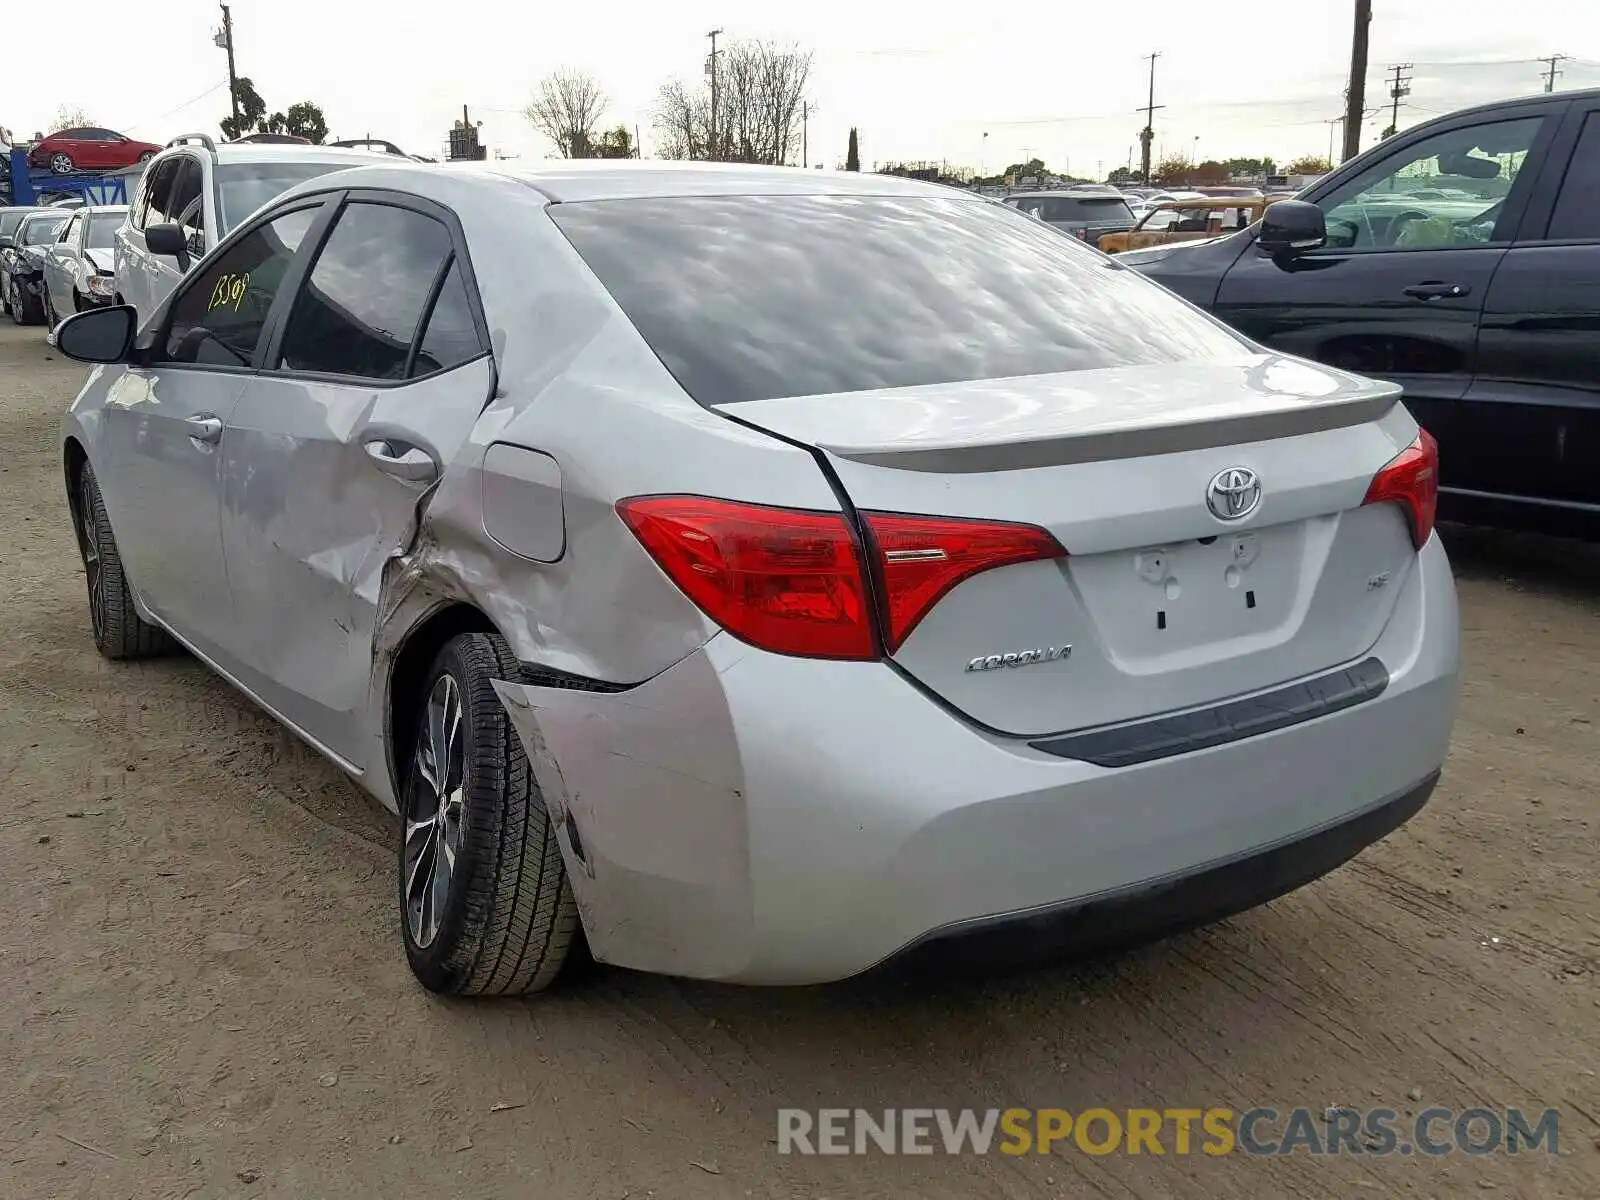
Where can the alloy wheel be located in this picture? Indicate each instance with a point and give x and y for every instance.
(433, 820)
(93, 568)
(61, 164)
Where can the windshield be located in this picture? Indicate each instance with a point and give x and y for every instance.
(754, 297)
(245, 187)
(102, 227)
(43, 229)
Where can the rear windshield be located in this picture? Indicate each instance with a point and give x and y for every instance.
(43, 229)
(754, 297)
(1076, 208)
(245, 187)
(9, 221)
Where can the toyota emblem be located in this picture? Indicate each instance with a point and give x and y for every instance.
(1233, 494)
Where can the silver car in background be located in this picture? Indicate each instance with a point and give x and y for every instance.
(765, 575)
(78, 266)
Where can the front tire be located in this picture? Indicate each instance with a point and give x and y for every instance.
(486, 908)
(119, 631)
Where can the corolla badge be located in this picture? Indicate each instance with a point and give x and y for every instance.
(1233, 494)
(1019, 658)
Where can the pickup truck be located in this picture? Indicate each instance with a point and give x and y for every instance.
(1458, 259)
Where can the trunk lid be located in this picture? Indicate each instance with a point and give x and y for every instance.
(1164, 605)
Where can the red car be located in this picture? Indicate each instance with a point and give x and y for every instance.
(89, 149)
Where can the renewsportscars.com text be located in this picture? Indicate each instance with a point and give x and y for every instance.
(1158, 1131)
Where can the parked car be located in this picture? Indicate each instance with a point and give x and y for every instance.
(192, 194)
(22, 264)
(1478, 297)
(10, 217)
(78, 268)
(945, 586)
(1086, 215)
(89, 149)
(1184, 221)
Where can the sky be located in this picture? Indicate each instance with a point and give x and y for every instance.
(922, 81)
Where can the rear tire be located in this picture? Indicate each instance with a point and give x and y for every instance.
(485, 905)
(62, 164)
(119, 631)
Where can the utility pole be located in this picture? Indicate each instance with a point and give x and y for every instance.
(1330, 123)
(1356, 97)
(1148, 133)
(1550, 75)
(805, 128)
(233, 79)
(712, 69)
(1399, 87)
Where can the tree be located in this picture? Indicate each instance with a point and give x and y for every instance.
(761, 89)
(72, 116)
(1122, 175)
(1250, 167)
(306, 120)
(1034, 167)
(1310, 164)
(252, 109)
(1210, 173)
(566, 107)
(852, 155)
(615, 143)
(1172, 170)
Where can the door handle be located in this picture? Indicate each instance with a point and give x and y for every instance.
(411, 463)
(1435, 290)
(203, 427)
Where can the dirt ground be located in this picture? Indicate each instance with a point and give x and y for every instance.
(204, 992)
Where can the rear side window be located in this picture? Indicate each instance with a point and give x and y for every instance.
(360, 310)
(451, 335)
(753, 297)
(217, 318)
(1577, 211)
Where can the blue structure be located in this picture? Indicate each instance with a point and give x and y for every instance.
(28, 185)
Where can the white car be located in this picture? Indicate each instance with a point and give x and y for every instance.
(78, 265)
(201, 191)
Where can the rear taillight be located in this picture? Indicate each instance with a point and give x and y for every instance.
(783, 579)
(791, 580)
(1411, 480)
(922, 558)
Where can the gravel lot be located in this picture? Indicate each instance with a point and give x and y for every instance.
(204, 994)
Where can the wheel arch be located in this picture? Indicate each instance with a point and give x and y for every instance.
(408, 672)
(74, 458)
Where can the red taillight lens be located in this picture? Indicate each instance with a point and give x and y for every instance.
(784, 579)
(790, 580)
(922, 558)
(1411, 480)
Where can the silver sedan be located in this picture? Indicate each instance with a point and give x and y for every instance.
(764, 575)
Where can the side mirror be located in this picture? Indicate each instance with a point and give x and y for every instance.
(99, 335)
(1292, 227)
(167, 238)
(6, 241)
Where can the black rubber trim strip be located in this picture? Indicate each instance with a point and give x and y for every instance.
(533, 673)
(1199, 729)
(1126, 917)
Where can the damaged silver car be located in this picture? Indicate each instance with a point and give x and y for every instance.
(764, 575)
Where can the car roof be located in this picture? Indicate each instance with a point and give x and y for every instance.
(272, 152)
(1069, 193)
(104, 208)
(563, 181)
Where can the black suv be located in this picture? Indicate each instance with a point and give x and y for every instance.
(1460, 259)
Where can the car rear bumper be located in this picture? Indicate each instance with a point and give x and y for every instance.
(761, 819)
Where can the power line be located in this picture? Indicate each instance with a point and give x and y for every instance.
(1550, 75)
(140, 124)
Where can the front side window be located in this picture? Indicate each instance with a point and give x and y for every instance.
(218, 317)
(360, 308)
(753, 297)
(70, 230)
(1471, 169)
(185, 199)
(158, 191)
(1577, 211)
